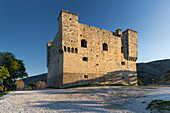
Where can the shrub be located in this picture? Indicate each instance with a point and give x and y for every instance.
(40, 85)
(31, 86)
(140, 83)
(159, 105)
(19, 84)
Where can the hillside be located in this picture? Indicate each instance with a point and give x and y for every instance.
(155, 69)
(36, 78)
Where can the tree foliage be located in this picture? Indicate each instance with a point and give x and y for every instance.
(15, 67)
(11, 68)
(4, 74)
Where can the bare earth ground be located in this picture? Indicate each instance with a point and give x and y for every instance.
(115, 99)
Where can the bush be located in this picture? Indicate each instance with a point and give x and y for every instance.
(31, 86)
(40, 85)
(140, 83)
(19, 84)
(159, 105)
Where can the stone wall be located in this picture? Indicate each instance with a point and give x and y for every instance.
(55, 59)
(100, 66)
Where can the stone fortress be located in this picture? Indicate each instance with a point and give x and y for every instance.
(82, 54)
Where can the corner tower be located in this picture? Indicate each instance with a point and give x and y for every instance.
(130, 44)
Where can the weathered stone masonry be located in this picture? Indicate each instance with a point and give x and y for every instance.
(83, 54)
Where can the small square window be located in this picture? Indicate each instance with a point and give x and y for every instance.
(85, 76)
(85, 59)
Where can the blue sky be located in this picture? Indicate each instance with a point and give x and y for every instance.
(27, 25)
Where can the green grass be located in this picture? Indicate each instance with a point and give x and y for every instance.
(159, 105)
(2, 93)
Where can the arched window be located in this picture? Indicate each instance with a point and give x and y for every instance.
(84, 43)
(105, 47)
(76, 50)
(72, 50)
(123, 63)
(68, 49)
(65, 48)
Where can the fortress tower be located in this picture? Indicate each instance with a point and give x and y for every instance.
(82, 54)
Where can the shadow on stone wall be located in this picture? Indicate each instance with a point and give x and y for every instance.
(117, 77)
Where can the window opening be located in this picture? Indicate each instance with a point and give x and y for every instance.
(68, 49)
(65, 48)
(76, 50)
(85, 59)
(84, 43)
(105, 47)
(72, 50)
(85, 76)
(123, 63)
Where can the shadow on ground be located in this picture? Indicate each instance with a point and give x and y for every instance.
(97, 99)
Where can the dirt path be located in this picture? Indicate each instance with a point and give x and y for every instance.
(115, 99)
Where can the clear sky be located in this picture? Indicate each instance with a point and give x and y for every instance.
(27, 25)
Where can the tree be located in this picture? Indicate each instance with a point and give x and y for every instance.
(6, 58)
(4, 75)
(15, 67)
